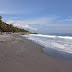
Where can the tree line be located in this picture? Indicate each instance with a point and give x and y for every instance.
(4, 27)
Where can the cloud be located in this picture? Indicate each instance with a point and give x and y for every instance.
(25, 26)
(45, 20)
(25, 23)
(60, 25)
(10, 22)
(2, 12)
(16, 11)
(6, 11)
(65, 28)
(21, 25)
(68, 19)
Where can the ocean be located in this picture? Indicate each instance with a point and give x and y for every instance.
(58, 45)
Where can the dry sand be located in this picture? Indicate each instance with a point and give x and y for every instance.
(18, 54)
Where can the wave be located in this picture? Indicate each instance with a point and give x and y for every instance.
(52, 36)
(61, 43)
(58, 46)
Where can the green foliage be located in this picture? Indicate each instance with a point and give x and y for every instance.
(0, 17)
(4, 27)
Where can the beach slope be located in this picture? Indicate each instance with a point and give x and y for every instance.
(18, 54)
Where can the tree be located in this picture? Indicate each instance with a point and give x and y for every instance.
(0, 17)
(4, 27)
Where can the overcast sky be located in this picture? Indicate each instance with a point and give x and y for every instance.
(38, 15)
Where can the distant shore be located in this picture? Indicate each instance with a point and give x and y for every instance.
(18, 54)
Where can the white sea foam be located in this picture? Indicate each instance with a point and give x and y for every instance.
(62, 43)
(42, 35)
(51, 36)
(65, 37)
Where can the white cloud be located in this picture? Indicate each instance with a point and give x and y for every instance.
(25, 26)
(10, 18)
(21, 25)
(25, 23)
(65, 28)
(10, 22)
(35, 21)
(68, 19)
(6, 11)
(42, 21)
(2, 12)
(11, 11)
(60, 25)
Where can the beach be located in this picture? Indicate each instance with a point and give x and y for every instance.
(18, 54)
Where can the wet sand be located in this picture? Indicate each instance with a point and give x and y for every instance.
(18, 54)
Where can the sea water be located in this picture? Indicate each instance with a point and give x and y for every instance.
(56, 45)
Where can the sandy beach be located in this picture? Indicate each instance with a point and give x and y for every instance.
(18, 54)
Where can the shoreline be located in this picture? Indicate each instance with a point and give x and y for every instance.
(19, 54)
(62, 55)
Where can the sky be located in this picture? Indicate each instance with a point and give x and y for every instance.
(50, 16)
